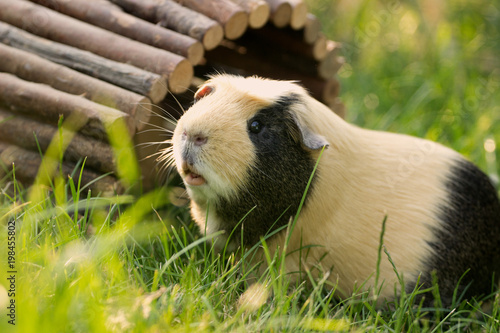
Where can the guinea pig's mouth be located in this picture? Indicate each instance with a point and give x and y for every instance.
(190, 177)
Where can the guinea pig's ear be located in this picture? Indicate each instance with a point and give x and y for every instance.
(307, 137)
(203, 91)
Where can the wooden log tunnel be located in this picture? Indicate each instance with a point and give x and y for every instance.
(138, 63)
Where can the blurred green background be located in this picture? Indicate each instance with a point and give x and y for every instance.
(429, 68)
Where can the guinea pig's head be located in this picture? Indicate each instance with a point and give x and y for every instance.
(245, 152)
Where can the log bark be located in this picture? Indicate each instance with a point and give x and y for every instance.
(49, 104)
(31, 134)
(126, 76)
(232, 17)
(173, 16)
(281, 12)
(312, 29)
(32, 68)
(61, 28)
(309, 34)
(299, 14)
(27, 164)
(111, 17)
(258, 12)
(319, 48)
(331, 64)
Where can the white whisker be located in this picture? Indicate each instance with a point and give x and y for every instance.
(152, 143)
(170, 119)
(178, 103)
(167, 168)
(156, 128)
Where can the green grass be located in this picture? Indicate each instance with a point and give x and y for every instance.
(135, 263)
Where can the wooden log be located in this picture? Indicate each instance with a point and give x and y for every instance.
(320, 48)
(309, 34)
(329, 66)
(281, 12)
(232, 17)
(48, 104)
(67, 30)
(126, 76)
(299, 14)
(173, 16)
(258, 12)
(27, 164)
(31, 134)
(111, 17)
(30, 67)
(312, 29)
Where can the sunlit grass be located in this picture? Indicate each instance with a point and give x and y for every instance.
(135, 263)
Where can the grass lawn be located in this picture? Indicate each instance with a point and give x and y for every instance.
(135, 263)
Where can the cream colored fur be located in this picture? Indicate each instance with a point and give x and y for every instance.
(362, 177)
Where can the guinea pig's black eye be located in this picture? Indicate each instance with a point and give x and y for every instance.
(255, 126)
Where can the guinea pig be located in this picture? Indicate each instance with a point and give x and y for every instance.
(247, 148)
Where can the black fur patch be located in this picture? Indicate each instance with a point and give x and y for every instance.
(276, 182)
(470, 237)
